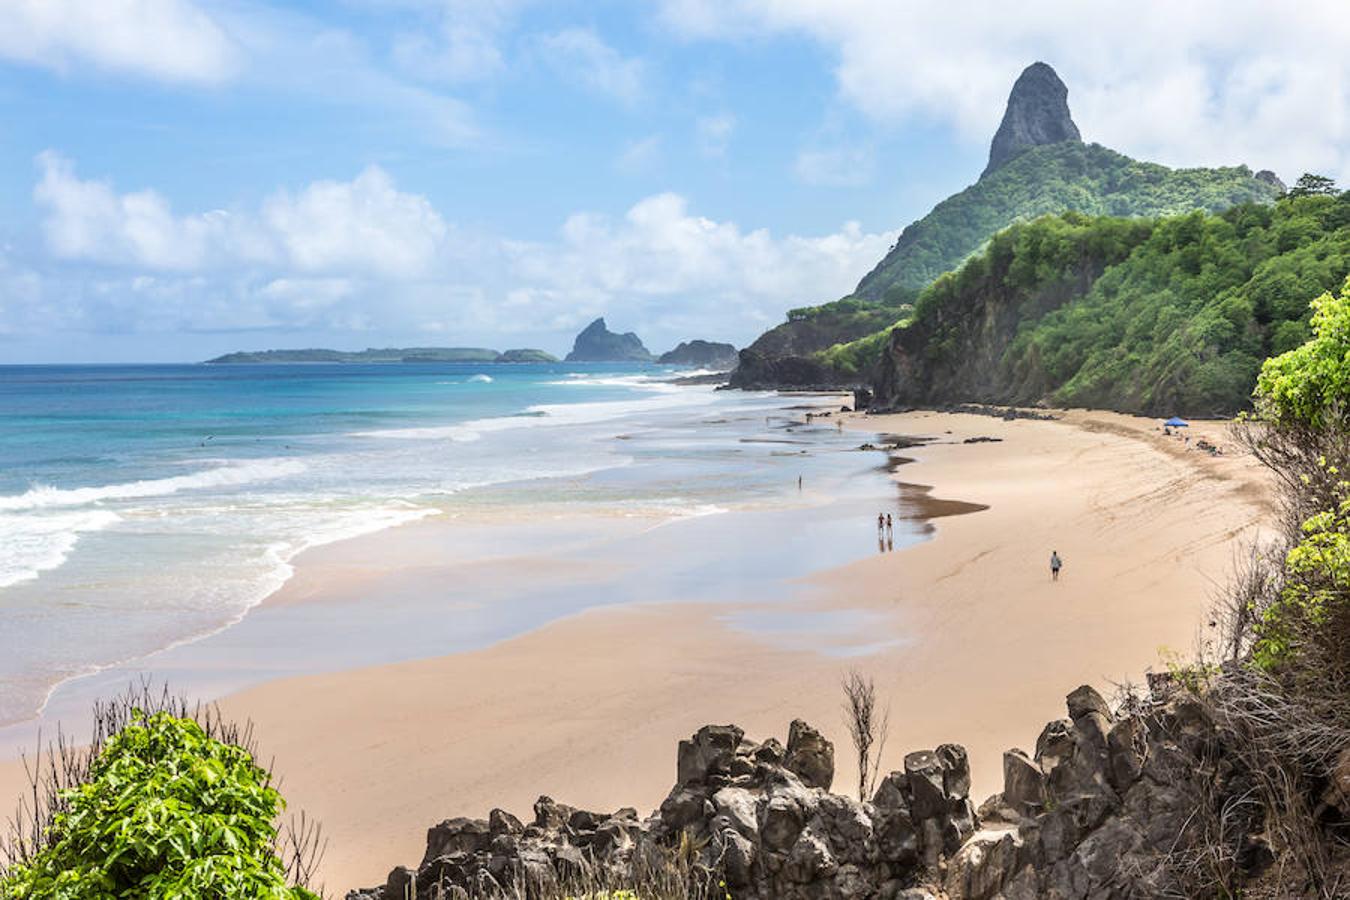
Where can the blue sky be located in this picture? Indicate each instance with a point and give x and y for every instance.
(180, 178)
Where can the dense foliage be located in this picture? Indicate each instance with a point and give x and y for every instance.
(1303, 394)
(166, 812)
(1311, 383)
(1187, 319)
(1086, 178)
(1178, 315)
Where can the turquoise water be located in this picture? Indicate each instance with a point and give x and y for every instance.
(143, 507)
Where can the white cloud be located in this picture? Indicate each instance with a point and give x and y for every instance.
(1201, 83)
(672, 272)
(365, 224)
(462, 43)
(582, 56)
(169, 39)
(362, 255)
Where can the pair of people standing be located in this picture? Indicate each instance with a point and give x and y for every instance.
(884, 525)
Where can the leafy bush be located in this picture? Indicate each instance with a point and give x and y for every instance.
(1311, 384)
(1306, 392)
(164, 811)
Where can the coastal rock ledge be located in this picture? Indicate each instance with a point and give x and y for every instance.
(1101, 810)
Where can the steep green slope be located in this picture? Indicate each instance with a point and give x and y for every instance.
(1086, 178)
(1149, 316)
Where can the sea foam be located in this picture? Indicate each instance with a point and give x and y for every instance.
(228, 475)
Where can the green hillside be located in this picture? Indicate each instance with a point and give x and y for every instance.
(1087, 178)
(1169, 314)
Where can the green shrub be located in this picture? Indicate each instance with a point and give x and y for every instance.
(1310, 384)
(1305, 392)
(166, 811)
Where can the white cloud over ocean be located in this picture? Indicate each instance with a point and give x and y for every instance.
(362, 254)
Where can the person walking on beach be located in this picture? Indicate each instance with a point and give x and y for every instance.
(1055, 563)
(881, 525)
(888, 526)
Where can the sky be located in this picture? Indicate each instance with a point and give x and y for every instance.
(183, 178)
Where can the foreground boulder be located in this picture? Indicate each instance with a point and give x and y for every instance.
(1101, 810)
(757, 817)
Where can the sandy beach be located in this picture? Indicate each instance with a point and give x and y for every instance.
(965, 634)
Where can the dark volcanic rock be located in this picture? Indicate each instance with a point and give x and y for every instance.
(596, 343)
(1107, 799)
(1038, 113)
(766, 372)
(703, 354)
(1271, 179)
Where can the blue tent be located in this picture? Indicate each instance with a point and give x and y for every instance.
(1177, 422)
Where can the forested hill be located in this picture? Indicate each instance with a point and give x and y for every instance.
(1086, 178)
(1037, 166)
(1172, 315)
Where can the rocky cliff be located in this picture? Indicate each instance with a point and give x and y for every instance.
(1110, 805)
(703, 354)
(1037, 114)
(596, 343)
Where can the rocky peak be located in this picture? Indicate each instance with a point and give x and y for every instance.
(1038, 113)
(596, 343)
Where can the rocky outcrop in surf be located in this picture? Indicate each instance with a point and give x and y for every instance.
(596, 343)
(1103, 808)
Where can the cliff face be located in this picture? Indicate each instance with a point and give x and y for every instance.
(1037, 114)
(596, 343)
(1104, 808)
(784, 356)
(956, 354)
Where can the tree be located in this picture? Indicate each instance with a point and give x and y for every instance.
(864, 727)
(1309, 184)
(1310, 385)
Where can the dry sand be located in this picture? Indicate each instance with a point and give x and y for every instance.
(974, 643)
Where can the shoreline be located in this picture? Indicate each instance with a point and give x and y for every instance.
(589, 704)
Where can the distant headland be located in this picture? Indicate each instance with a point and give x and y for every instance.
(387, 355)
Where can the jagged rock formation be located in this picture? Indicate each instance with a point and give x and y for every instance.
(703, 354)
(596, 343)
(1103, 809)
(1037, 114)
(1268, 177)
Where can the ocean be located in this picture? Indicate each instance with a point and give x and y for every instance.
(146, 507)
